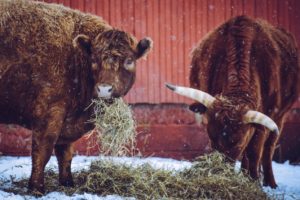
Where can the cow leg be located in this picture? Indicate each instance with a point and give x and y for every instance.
(270, 146)
(42, 147)
(64, 154)
(245, 162)
(45, 133)
(255, 152)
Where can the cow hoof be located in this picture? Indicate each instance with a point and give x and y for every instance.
(67, 183)
(272, 185)
(36, 190)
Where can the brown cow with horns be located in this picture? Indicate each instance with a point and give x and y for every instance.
(53, 61)
(247, 73)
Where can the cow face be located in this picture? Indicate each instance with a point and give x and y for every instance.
(226, 130)
(113, 58)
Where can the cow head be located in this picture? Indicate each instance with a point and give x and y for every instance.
(113, 56)
(228, 125)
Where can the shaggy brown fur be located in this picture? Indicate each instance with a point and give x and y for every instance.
(246, 64)
(52, 61)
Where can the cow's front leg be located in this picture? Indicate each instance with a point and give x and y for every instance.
(44, 136)
(270, 146)
(245, 162)
(64, 154)
(255, 151)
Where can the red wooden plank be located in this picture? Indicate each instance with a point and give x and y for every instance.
(210, 15)
(199, 13)
(283, 14)
(162, 47)
(261, 9)
(193, 42)
(88, 6)
(272, 12)
(168, 47)
(73, 4)
(140, 26)
(249, 7)
(115, 13)
(227, 9)
(146, 68)
(219, 9)
(158, 86)
(292, 12)
(127, 12)
(180, 44)
(102, 7)
(112, 13)
(237, 7)
(66, 3)
(173, 50)
(151, 83)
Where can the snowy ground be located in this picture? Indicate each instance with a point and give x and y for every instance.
(287, 176)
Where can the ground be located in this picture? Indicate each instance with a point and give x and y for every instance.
(287, 176)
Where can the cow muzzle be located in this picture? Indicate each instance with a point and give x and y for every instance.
(104, 91)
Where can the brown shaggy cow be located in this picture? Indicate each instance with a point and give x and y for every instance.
(53, 61)
(248, 72)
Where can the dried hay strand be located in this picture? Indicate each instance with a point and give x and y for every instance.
(115, 126)
(208, 178)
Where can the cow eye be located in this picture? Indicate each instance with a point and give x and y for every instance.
(129, 64)
(128, 61)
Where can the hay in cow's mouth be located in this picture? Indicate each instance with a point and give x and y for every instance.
(115, 127)
(208, 178)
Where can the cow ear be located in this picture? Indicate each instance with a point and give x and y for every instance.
(82, 42)
(197, 108)
(144, 47)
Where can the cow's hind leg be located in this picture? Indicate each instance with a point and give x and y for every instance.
(64, 154)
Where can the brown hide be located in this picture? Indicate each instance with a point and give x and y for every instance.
(53, 61)
(246, 65)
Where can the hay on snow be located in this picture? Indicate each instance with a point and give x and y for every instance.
(208, 178)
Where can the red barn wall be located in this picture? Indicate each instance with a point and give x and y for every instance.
(176, 26)
(165, 127)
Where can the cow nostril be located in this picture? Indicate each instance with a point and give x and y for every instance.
(110, 89)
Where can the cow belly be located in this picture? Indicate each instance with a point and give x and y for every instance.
(15, 93)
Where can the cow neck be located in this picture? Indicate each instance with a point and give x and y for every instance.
(239, 42)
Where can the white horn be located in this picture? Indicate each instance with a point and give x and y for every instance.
(203, 97)
(259, 118)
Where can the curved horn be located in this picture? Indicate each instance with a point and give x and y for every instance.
(203, 97)
(259, 118)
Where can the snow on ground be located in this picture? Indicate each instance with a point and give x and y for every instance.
(287, 176)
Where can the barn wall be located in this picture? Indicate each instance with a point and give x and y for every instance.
(176, 26)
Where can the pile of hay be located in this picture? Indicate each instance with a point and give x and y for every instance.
(208, 178)
(115, 127)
